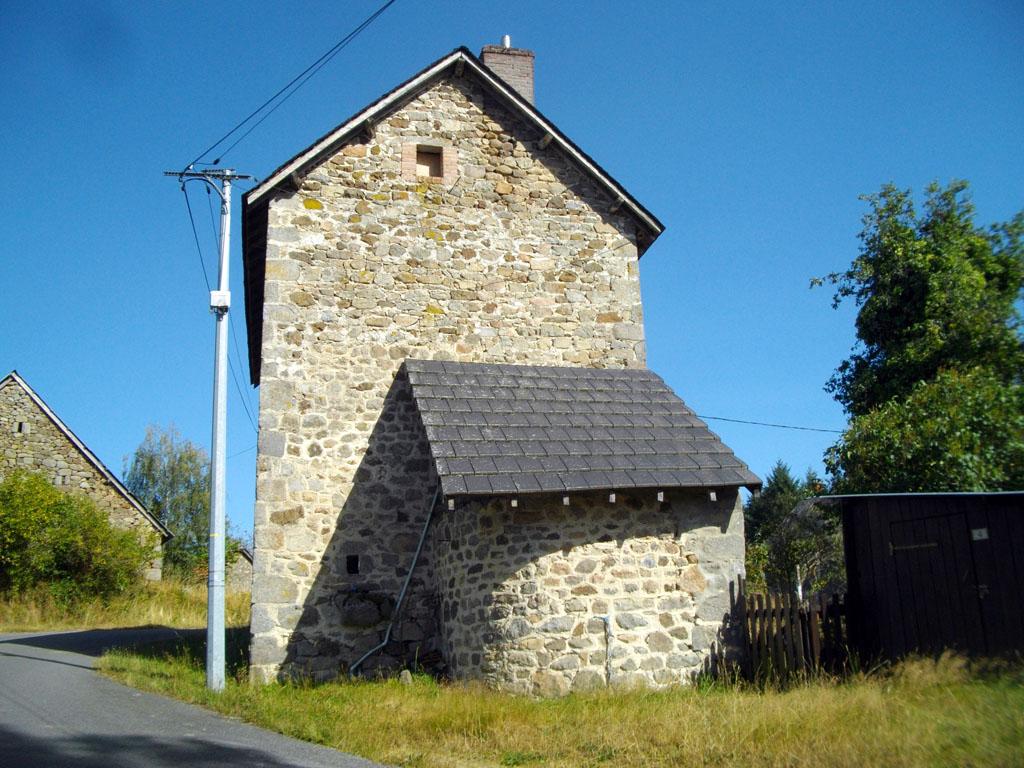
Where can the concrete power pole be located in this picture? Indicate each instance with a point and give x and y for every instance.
(220, 301)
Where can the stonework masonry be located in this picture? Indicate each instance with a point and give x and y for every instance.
(30, 441)
(522, 258)
(545, 598)
(513, 65)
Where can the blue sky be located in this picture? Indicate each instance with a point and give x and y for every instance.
(748, 129)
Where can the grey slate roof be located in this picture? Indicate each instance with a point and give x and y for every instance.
(519, 429)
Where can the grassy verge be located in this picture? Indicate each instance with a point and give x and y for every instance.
(168, 603)
(921, 714)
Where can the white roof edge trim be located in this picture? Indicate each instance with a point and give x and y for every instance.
(14, 377)
(381, 105)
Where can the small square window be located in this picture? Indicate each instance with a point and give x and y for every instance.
(428, 161)
(352, 564)
(22, 428)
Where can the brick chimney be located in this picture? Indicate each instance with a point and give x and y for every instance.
(513, 65)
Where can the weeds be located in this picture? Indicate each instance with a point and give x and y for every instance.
(922, 712)
(168, 603)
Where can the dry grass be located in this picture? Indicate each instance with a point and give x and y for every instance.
(923, 713)
(168, 603)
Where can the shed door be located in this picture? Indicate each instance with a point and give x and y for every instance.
(996, 535)
(937, 585)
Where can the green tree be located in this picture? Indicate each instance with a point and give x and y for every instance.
(791, 547)
(959, 432)
(933, 386)
(934, 292)
(65, 542)
(170, 476)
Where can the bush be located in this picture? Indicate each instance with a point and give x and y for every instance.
(64, 542)
(961, 431)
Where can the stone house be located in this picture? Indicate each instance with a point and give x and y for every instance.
(34, 439)
(463, 461)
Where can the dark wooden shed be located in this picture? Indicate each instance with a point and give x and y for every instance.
(930, 571)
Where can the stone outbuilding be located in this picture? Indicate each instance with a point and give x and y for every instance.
(34, 439)
(463, 461)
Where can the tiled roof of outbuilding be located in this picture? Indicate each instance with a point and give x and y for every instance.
(518, 429)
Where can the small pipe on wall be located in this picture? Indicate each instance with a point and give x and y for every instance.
(405, 587)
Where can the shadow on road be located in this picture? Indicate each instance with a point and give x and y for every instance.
(19, 750)
(96, 642)
(8, 655)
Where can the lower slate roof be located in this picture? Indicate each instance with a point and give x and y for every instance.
(519, 429)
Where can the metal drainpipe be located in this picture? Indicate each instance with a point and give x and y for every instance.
(405, 586)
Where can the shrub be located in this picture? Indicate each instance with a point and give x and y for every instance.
(65, 542)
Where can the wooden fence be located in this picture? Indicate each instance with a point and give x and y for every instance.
(783, 636)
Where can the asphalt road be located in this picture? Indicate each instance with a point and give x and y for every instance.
(56, 711)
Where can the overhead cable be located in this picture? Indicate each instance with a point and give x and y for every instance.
(298, 81)
(767, 424)
(206, 279)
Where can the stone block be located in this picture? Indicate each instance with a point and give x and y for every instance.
(549, 684)
(660, 642)
(558, 624)
(271, 444)
(704, 636)
(631, 620)
(274, 589)
(570, 661)
(587, 680)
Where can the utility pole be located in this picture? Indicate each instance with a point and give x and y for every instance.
(220, 301)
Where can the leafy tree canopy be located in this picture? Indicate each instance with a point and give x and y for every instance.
(170, 476)
(934, 385)
(959, 432)
(934, 292)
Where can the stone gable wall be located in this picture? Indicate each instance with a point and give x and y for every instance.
(520, 260)
(545, 598)
(44, 449)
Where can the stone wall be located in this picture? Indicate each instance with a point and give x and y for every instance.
(520, 260)
(238, 575)
(30, 441)
(545, 598)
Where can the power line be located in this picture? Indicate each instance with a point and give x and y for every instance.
(206, 279)
(238, 358)
(195, 235)
(766, 424)
(213, 221)
(234, 336)
(241, 397)
(300, 78)
(244, 450)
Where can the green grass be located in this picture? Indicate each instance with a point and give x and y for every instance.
(922, 713)
(169, 603)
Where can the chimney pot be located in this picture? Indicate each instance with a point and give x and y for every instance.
(513, 65)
